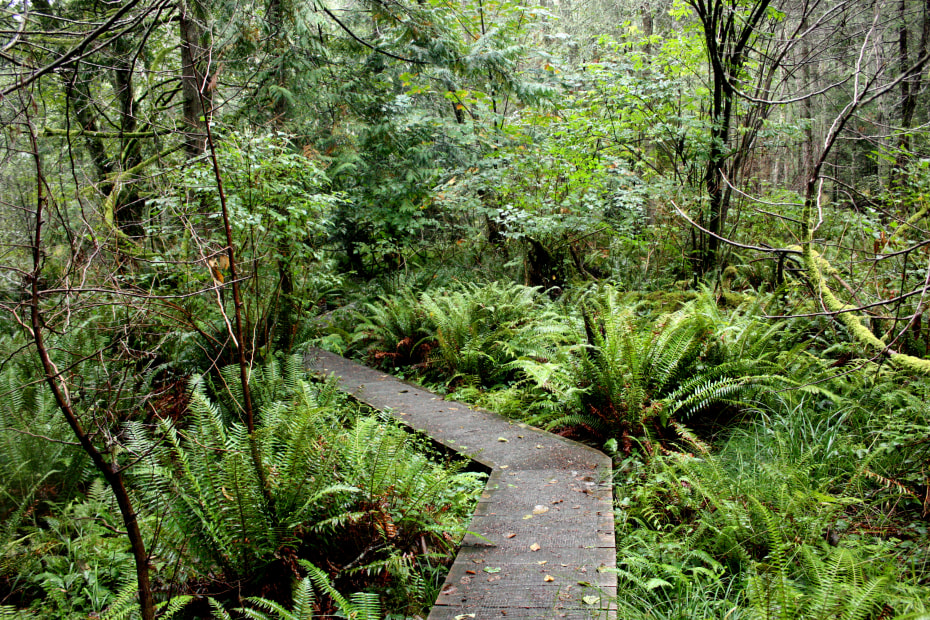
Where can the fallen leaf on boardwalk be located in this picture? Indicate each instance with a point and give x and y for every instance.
(539, 446)
(525, 517)
(591, 600)
(520, 436)
(471, 572)
(509, 534)
(464, 616)
(492, 569)
(504, 439)
(541, 562)
(534, 547)
(539, 509)
(548, 578)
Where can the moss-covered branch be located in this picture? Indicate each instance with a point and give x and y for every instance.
(114, 135)
(912, 221)
(817, 268)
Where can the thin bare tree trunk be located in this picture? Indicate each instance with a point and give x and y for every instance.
(239, 336)
(111, 471)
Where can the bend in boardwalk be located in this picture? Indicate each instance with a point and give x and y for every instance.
(543, 531)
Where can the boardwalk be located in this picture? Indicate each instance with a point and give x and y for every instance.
(543, 530)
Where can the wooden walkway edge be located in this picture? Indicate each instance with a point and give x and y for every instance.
(543, 530)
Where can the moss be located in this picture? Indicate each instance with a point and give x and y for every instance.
(816, 266)
(729, 274)
(732, 300)
(668, 301)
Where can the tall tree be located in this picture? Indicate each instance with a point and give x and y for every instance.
(912, 83)
(197, 88)
(730, 28)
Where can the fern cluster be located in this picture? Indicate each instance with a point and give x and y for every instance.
(622, 376)
(594, 362)
(333, 479)
(396, 330)
(481, 328)
(468, 332)
(350, 491)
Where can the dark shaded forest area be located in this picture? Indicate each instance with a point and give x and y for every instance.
(691, 233)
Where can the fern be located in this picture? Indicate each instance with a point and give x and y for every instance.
(480, 329)
(332, 478)
(395, 330)
(203, 480)
(126, 605)
(625, 376)
(359, 606)
(834, 586)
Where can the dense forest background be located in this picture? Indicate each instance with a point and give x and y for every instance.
(692, 232)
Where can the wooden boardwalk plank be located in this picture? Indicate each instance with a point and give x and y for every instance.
(543, 490)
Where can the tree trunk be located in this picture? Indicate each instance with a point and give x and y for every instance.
(129, 206)
(195, 48)
(645, 11)
(807, 147)
(728, 39)
(910, 87)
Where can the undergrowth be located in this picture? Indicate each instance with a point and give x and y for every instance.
(357, 505)
(757, 475)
